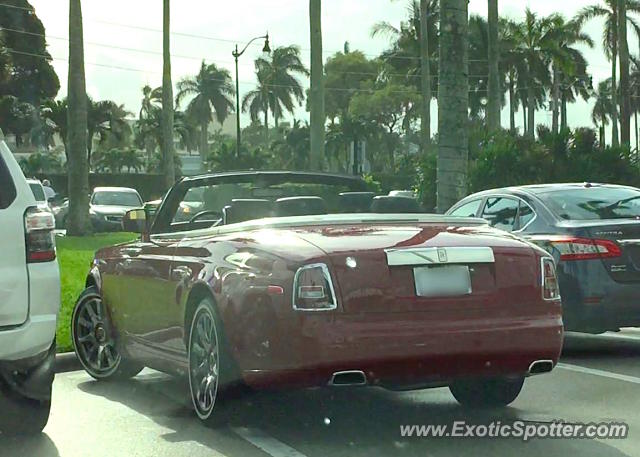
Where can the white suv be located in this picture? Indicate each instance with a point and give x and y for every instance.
(29, 302)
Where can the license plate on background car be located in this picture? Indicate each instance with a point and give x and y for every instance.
(442, 281)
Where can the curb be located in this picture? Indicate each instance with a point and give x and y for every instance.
(67, 361)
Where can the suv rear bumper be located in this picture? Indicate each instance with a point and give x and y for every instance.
(33, 337)
(31, 377)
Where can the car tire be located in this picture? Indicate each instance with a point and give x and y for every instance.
(212, 373)
(23, 416)
(94, 340)
(494, 392)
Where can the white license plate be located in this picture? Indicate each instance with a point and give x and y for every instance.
(442, 281)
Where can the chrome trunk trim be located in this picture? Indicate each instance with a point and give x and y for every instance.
(438, 256)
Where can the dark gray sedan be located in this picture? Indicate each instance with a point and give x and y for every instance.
(593, 232)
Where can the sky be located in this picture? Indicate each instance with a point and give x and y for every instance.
(123, 39)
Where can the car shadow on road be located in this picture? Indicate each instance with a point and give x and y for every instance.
(28, 446)
(578, 346)
(337, 422)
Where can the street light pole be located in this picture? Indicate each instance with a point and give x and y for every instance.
(238, 132)
(236, 54)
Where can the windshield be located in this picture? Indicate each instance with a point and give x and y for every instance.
(594, 203)
(115, 198)
(38, 191)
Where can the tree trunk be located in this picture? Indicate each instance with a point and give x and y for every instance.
(602, 135)
(266, 126)
(524, 116)
(635, 118)
(425, 73)
(495, 92)
(90, 136)
(625, 99)
(531, 115)
(204, 139)
(614, 95)
(563, 112)
(77, 167)
(317, 115)
(167, 99)
(453, 104)
(556, 99)
(512, 105)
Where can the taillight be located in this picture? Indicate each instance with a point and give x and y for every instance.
(39, 237)
(585, 248)
(550, 288)
(313, 289)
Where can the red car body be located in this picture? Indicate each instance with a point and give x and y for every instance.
(380, 326)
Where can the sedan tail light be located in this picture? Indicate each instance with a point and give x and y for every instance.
(39, 237)
(585, 248)
(550, 287)
(313, 289)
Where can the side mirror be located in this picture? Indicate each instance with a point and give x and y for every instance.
(135, 221)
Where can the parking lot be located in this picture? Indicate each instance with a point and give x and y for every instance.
(151, 415)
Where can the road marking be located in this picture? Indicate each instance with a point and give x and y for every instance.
(267, 443)
(603, 373)
(624, 336)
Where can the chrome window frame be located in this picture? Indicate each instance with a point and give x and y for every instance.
(519, 200)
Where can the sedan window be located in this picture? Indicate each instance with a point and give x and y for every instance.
(467, 210)
(501, 212)
(525, 215)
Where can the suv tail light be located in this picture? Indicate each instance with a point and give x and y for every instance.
(585, 248)
(550, 288)
(313, 289)
(39, 237)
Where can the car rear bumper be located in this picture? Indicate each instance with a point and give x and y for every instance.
(32, 337)
(594, 302)
(409, 355)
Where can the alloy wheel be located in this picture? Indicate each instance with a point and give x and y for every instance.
(93, 338)
(204, 361)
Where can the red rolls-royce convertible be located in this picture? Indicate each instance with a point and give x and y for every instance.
(291, 279)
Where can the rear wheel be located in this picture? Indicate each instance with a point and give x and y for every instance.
(94, 340)
(494, 392)
(210, 367)
(23, 416)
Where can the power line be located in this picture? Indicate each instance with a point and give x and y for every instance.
(146, 51)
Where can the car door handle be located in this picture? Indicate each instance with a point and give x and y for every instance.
(180, 273)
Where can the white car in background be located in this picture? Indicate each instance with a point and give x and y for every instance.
(29, 302)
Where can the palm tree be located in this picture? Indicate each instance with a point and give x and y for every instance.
(103, 118)
(78, 167)
(568, 63)
(535, 41)
(416, 40)
(212, 90)
(494, 101)
(623, 51)
(453, 104)
(608, 10)
(150, 98)
(258, 101)
(316, 103)
(167, 99)
(54, 113)
(278, 89)
(601, 112)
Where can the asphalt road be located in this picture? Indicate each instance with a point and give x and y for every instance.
(598, 380)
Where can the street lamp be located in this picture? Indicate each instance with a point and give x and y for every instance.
(266, 49)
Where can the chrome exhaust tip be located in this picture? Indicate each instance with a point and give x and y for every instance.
(539, 367)
(348, 378)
